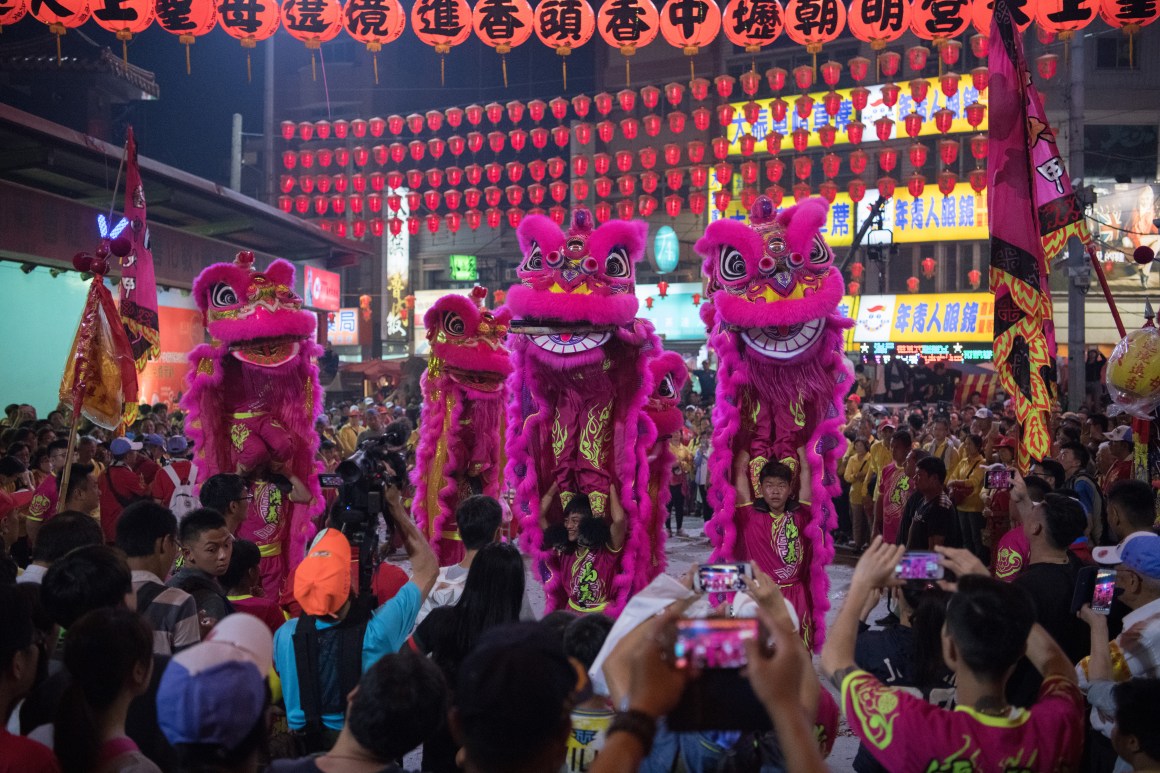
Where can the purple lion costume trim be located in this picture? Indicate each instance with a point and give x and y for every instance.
(663, 411)
(464, 399)
(578, 392)
(773, 322)
(253, 394)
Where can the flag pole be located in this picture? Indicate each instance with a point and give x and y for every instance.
(1091, 251)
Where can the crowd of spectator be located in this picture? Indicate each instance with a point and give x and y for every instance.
(135, 634)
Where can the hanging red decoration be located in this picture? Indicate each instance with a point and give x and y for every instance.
(912, 284)
(677, 122)
(912, 123)
(801, 139)
(889, 63)
(776, 194)
(918, 155)
(978, 180)
(124, 18)
(647, 156)
(888, 159)
(672, 153)
(747, 143)
(802, 167)
(916, 184)
(720, 147)
(827, 135)
(949, 52)
(944, 119)
(752, 24)
(811, 23)
(979, 78)
(773, 142)
(624, 159)
(919, 88)
(859, 68)
(647, 205)
(831, 165)
(890, 94)
(750, 83)
(515, 170)
(724, 173)
(605, 130)
(979, 45)
(698, 176)
(975, 277)
(722, 199)
(853, 288)
(949, 84)
(652, 124)
(603, 211)
(750, 172)
(947, 182)
(775, 77)
(514, 195)
(248, 23)
(832, 102)
(443, 24)
(434, 177)
(628, 25)
(563, 25)
(580, 189)
(828, 190)
(1130, 17)
(629, 127)
(803, 106)
(690, 24)
(431, 199)
(673, 204)
(778, 109)
(492, 195)
(723, 83)
(858, 160)
(975, 114)
(602, 162)
(502, 25)
(1046, 65)
(854, 131)
(940, 21)
(884, 128)
(188, 22)
(948, 151)
(724, 114)
(774, 169)
(928, 267)
(878, 22)
(515, 216)
(979, 147)
(803, 76)
(649, 182)
(916, 59)
(603, 186)
(801, 192)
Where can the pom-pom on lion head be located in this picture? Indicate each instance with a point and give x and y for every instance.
(468, 339)
(773, 279)
(256, 313)
(585, 275)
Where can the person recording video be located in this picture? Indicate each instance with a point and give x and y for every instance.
(313, 653)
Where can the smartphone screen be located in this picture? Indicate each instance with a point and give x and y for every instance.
(713, 642)
(1105, 588)
(722, 578)
(329, 480)
(919, 566)
(998, 479)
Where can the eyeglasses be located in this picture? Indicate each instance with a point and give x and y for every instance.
(246, 498)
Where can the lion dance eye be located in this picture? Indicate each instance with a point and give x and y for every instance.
(223, 295)
(535, 259)
(731, 264)
(453, 324)
(666, 387)
(617, 265)
(818, 252)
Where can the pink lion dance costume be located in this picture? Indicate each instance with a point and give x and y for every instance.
(252, 398)
(665, 420)
(578, 392)
(773, 321)
(464, 398)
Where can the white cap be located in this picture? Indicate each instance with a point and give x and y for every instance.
(1114, 554)
(1121, 434)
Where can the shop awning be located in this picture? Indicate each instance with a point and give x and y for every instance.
(375, 369)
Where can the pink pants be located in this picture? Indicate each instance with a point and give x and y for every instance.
(260, 441)
(580, 433)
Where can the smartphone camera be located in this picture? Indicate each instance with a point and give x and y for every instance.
(713, 642)
(997, 479)
(1104, 590)
(919, 566)
(722, 578)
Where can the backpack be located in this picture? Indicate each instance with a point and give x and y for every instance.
(182, 501)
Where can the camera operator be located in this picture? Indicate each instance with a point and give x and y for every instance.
(315, 654)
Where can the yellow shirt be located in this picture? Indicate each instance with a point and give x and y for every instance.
(857, 470)
(879, 457)
(348, 439)
(972, 471)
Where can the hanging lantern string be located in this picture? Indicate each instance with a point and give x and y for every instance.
(325, 85)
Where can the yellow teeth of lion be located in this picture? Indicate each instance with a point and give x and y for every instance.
(769, 296)
(581, 290)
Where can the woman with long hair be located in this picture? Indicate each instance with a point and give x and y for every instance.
(109, 656)
(492, 595)
(908, 655)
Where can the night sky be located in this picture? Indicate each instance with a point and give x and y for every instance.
(189, 126)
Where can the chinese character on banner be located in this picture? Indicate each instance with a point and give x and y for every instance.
(564, 25)
(60, 15)
(902, 317)
(441, 24)
(12, 11)
(879, 22)
(752, 24)
(628, 24)
(1065, 16)
(690, 24)
(249, 21)
(811, 23)
(312, 21)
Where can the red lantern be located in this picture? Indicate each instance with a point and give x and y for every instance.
(803, 105)
(890, 94)
(801, 139)
(514, 194)
(878, 23)
(975, 114)
(724, 114)
(919, 88)
(649, 181)
(648, 156)
(947, 182)
(858, 161)
(801, 192)
(944, 119)
(197, 19)
(884, 128)
(974, 276)
(690, 32)
(742, 30)
(355, 202)
(978, 180)
(928, 267)
(452, 199)
(306, 183)
(859, 97)
(889, 62)
(749, 172)
(696, 299)
(626, 185)
(776, 194)
(912, 284)
(672, 209)
(748, 144)
(675, 178)
(629, 127)
(980, 44)
(722, 199)
(1046, 65)
(289, 128)
(494, 172)
(698, 176)
(854, 131)
(285, 203)
(777, 109)
(948, 151)
(916, 184)
(248, 25)
(831, 165)
(811, 23)
(492, 195)
(774, 169)
(720, 147)
(802, 167)
(979, 78)
(625, 209)
(938, 23)
(652, 124)
(473, 173)
(916, 59)
(454, 176)
(341, 182)
(853, 288)
(602, 162)
(515, 170)
(580, 189)
(557, 189)
(603, 211)
(828, 190)
(723, 172)
(752, 112)
(556, 167)
(832, 101)
(431, 199)
(887, 159)
(603, 102)
(605, 130)
(677, 122)
(517, 137)
(561, 135)
(579, 165)
(918, 155)
(603, 187)
(886, 187)
(697, 202)
(979, 147)
(515, 216)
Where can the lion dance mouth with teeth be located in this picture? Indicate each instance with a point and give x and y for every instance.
(464, 398)
(773, 321)
(252, 399)
(580, 383)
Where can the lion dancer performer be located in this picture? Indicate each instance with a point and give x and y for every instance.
(773, 321)
(252, 399)
(664, 423)
(464, 398)
(578, 391)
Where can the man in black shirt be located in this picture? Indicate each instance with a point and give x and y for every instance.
(935, 511)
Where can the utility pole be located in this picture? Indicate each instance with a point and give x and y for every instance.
(236, 153)
(1078, 276)
(268, 124)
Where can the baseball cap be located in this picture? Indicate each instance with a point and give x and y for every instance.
(121, 446)
(354, 411)
(513, 676)
(855, 399)
(1006, 441)
(153, 440)
(322, 580)
(1121, 434)
(215, 692)
(368, 401)
(176, 445)
(1114, 554)
(887, 424)
(1142, 556)
(984, 413)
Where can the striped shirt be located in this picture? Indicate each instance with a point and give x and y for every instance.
(172, 613)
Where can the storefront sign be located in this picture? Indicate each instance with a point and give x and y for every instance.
(323, 289)
(344, 327)
(929, 354)
(932, 217)
(875, 109)
(936, 318)
(666, 249)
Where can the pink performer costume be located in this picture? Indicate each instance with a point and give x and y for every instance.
(773, 321)
(253, 396)
(663, 420)
(461, 433)
(580, 382)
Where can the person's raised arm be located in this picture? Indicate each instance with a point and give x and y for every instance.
(1047, 656)
(763, 589)
(805, 482)
(619, 526)
(546, 503)
(875, 570)
(741, 479)
(424, 564)
(1099, 663)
